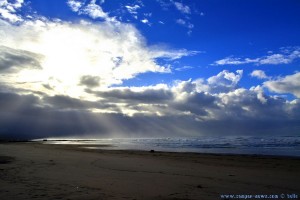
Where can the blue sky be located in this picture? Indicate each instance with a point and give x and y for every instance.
(148, 65)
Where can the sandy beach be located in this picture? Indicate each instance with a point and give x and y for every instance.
(37, 171)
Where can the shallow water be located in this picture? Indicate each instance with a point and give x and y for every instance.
(280, 145)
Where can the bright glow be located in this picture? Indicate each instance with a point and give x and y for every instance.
(111, 52)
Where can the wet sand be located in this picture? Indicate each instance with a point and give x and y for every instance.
(36, 171)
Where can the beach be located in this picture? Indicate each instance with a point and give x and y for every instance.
(32, 170)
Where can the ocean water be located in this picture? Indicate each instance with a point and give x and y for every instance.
(281, 145)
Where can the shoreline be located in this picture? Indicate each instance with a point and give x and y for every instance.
(39, 171)
(107, 147)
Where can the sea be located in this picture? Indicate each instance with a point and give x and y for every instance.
(276, 146)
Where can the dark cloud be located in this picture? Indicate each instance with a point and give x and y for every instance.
(240, 112)
(143, 96)
(65, 102)
(196, 103)
(187, 108)
(14, 59)
(24, 117)
(90, 81)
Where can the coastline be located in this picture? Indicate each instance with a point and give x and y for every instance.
(37, 171)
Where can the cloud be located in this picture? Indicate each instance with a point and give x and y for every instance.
(287, 84)
(90, 81)
(287, 55)
(226, 78)
(165, 4)
(94, 11)
(233, 61)
(148, 14)
(146, 21)
(8, 10)
(66, 103)
(75, 5)
(13, 60)
(272, 116)
(182, 8)
(260, 74)
(150, 94)
(185, 10)
(132, 9)
(160, 110)
(114, 52)
(62, 102)
(186, 67)
(64, 79)
(276, 59)
(224, 81)
(35, 121)
(91, 9)
(160, 52)
(180, 21)
(186, 24)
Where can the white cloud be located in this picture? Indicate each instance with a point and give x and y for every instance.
(186, 67)
(8, 10)
(181, 21)
(200, 100)
(94, 11)
(223, 82)
(285, 57)
(146, 21)
(75, 5)
(233, 61)
(109, 52)
(287, 84)
(158, 52)
(260, 94)
(260, 74)
(132, 9)
(276, 59)
(182, 8)
(91, 9)
(186, 24)
(226, 78)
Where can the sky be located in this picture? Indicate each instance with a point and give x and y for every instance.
(149, 68)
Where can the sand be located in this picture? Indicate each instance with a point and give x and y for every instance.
(37, 171)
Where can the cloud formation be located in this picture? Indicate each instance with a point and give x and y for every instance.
(107, 51)
(12, 60)
(91, 9)
(186, 108)
(284, 85)
(182, 8)
(286, 56)
(132, 9)
(62, 78)
(224, 81)
(8, 10)
(260, 74)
